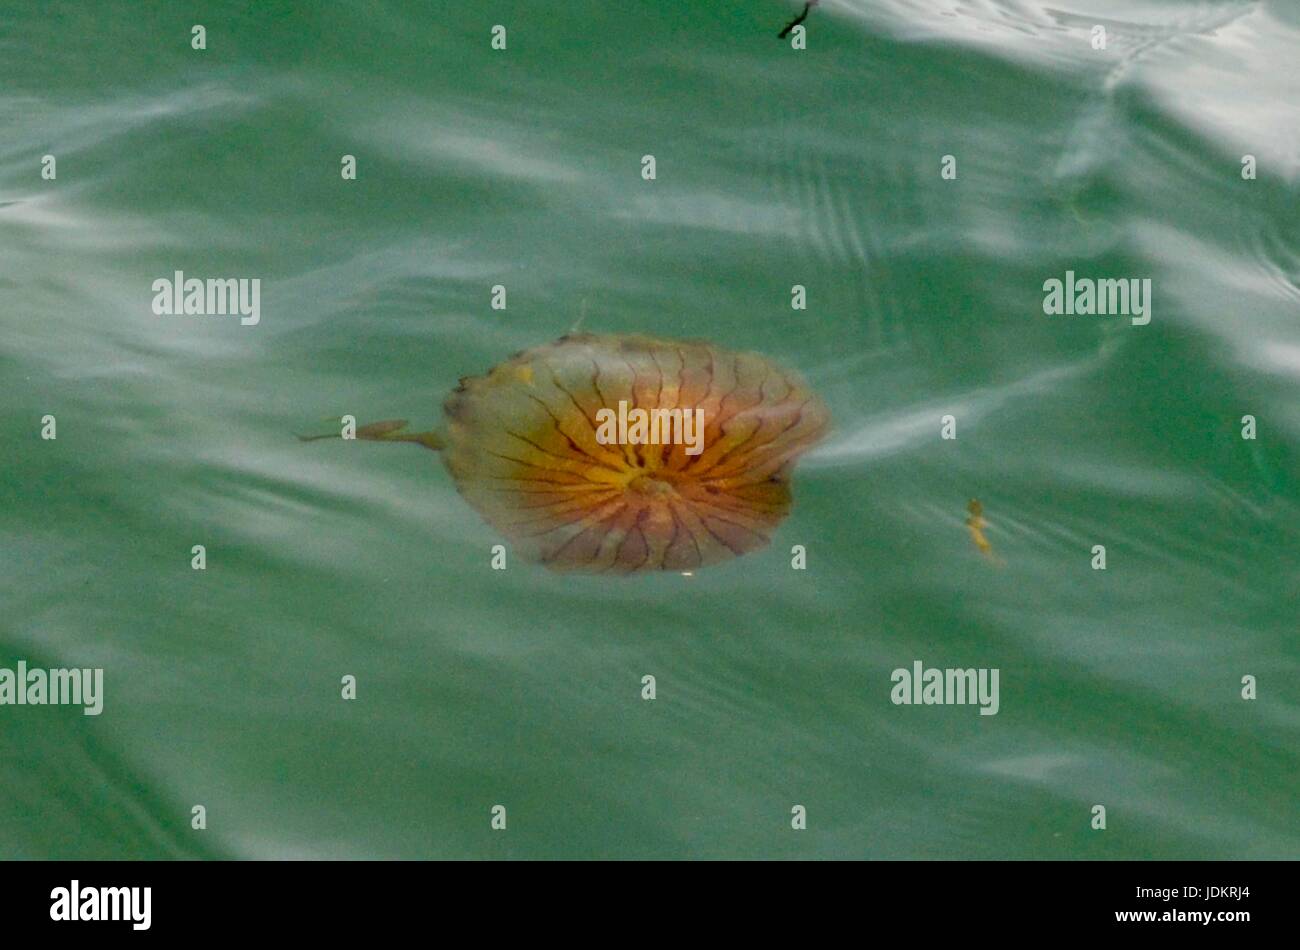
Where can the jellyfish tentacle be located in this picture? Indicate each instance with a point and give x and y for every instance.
(390, 430)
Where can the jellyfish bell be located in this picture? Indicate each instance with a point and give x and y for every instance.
(526, 448)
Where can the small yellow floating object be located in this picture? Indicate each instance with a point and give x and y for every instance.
(521, 446)
(977, 524)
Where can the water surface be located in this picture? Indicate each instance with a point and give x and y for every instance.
(775, 167)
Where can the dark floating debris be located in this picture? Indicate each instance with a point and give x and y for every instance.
(789, 27)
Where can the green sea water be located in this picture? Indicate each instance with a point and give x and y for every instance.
(774, 166)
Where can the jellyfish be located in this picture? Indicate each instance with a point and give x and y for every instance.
(525, 447)
(976, 524)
